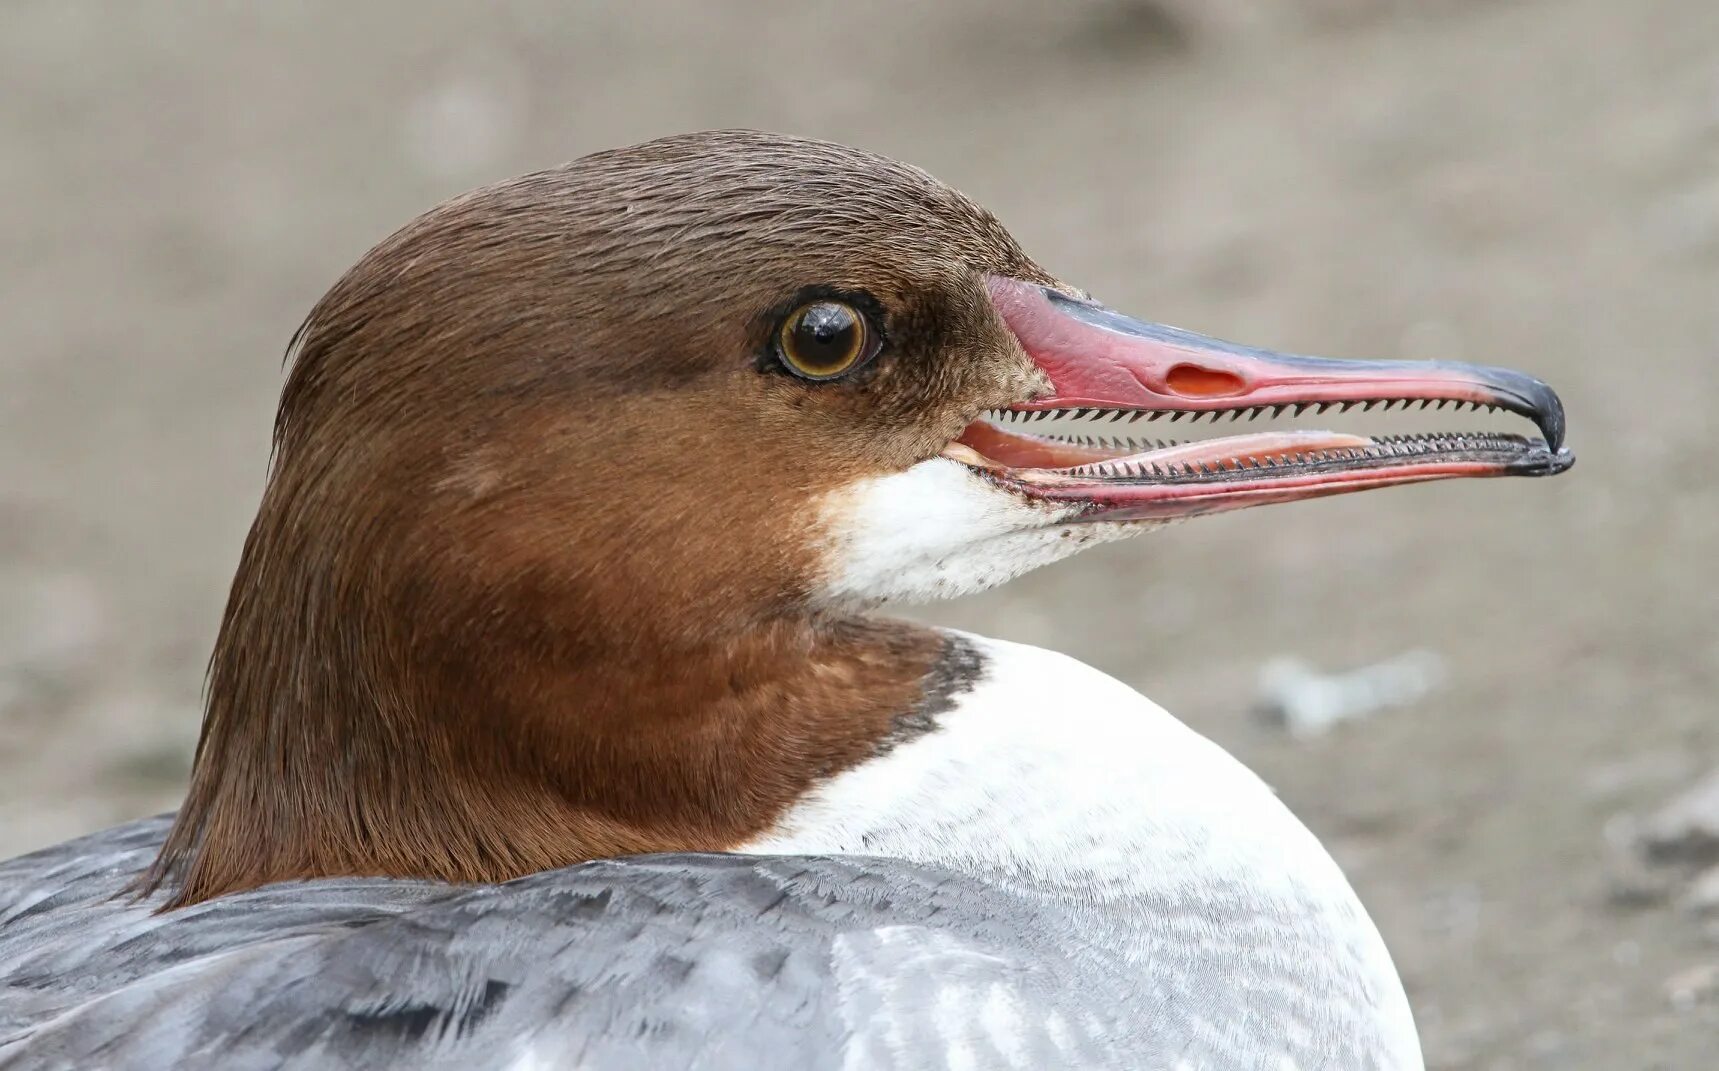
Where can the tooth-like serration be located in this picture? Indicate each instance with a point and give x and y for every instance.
(1381, 449)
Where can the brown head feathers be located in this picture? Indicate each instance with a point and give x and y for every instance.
(530, 582)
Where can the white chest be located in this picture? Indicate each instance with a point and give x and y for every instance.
(1058, 777)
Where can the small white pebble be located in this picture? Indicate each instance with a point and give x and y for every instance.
(1309, 703)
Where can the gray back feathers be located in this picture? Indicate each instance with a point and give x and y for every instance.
(681, 961)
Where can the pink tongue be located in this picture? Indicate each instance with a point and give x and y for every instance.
(1259, 446)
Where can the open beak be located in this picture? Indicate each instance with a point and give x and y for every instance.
(1103, 364)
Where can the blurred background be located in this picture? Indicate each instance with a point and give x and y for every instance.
(1531, 183)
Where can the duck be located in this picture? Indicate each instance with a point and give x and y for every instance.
(552, 720)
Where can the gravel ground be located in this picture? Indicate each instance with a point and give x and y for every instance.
(1531, 183)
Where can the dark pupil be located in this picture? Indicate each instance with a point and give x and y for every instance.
(825, 335)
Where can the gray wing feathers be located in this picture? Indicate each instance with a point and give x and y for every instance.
(679, 961)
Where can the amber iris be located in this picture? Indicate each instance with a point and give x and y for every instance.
(823, 339)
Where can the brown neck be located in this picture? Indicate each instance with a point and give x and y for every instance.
(381, 714)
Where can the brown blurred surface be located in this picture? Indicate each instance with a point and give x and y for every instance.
(1530, 183)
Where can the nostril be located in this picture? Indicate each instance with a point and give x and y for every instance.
(1192, 381)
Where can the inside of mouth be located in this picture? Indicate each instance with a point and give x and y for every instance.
(1144, 445)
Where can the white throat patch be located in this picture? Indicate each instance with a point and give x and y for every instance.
(939, 530)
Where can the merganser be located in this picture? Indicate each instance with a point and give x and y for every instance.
(546, 726)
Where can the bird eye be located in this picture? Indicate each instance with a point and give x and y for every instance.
(822, 339)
